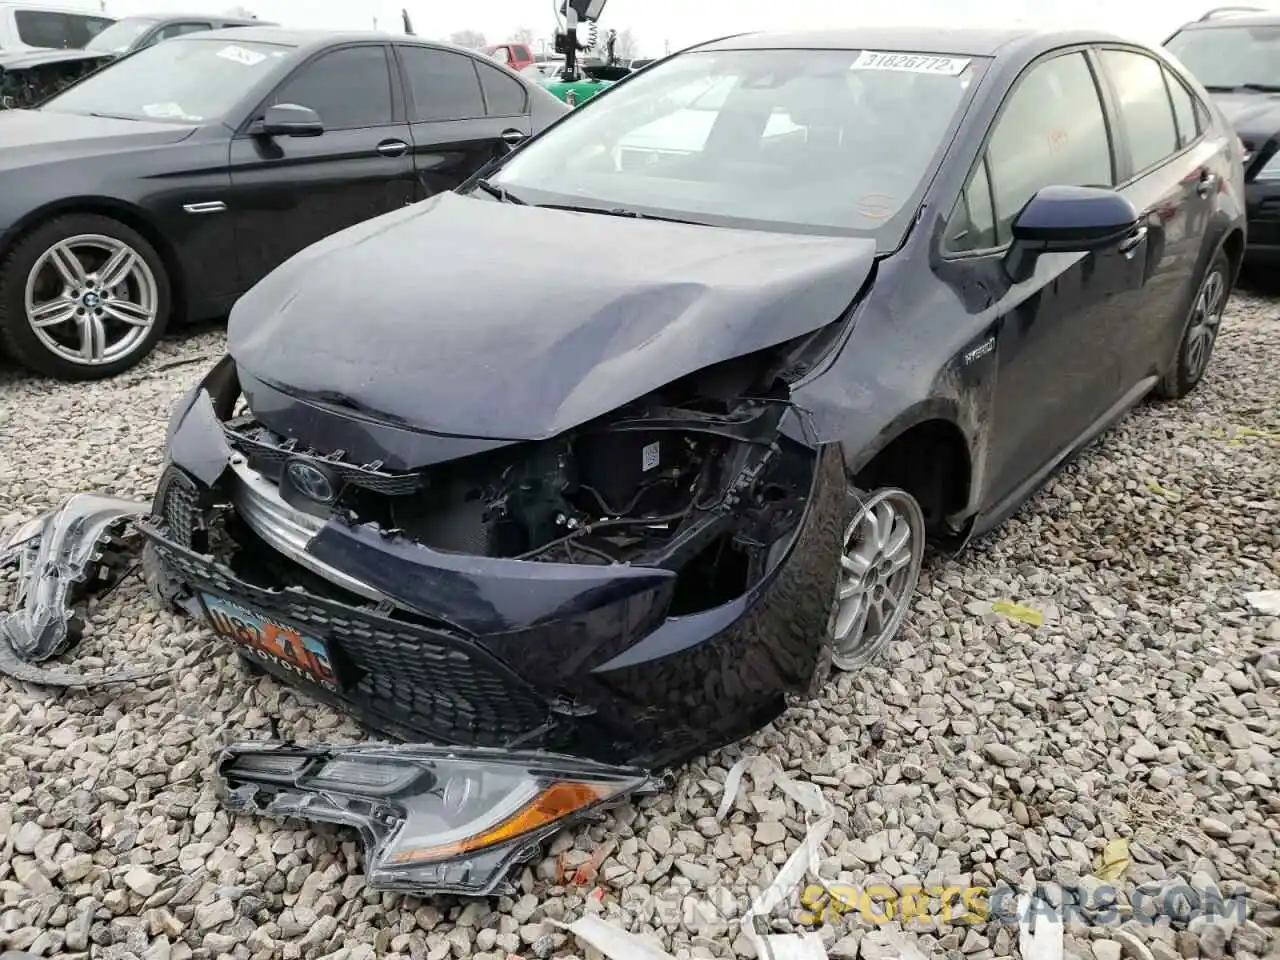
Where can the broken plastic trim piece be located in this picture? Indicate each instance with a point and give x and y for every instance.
(434, 820)
(55, 555)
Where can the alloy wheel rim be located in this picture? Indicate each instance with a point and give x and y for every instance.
(91, 299)
(879, 568)
(1206, 317)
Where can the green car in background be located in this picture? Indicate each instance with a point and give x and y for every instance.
(592, 79)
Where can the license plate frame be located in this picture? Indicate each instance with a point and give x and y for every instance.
(271, 641)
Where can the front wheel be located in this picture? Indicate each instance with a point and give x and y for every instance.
(880, 563)
(82, 297)
(1201, 332)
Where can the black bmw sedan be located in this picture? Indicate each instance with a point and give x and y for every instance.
(161, 188)
(822, 298)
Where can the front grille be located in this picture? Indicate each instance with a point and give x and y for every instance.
(177, 505)
(442, 687)
(268, 453)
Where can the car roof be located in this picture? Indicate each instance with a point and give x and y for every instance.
(189, 15)
(958, 41)
(308, 39)
(1234, 20)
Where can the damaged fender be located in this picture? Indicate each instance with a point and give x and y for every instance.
(434, 820)
(59, 555)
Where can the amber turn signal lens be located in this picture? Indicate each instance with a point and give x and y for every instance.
(554, 803)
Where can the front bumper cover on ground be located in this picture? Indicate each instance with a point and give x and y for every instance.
(432, 819)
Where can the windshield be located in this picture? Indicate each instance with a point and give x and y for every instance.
(814, 141)
(1226, 58)
(120, 36)
(182, 81)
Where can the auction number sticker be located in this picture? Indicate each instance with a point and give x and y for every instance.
(250, 58)
(910, 63)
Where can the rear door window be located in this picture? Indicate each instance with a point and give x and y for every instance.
(1184, 109)
(443, 85)
(1146, 112)
(504, 96)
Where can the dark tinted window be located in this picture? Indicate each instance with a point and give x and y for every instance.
(522, 53)
(348, 88)
(973, 224)
(1052, 131)
(443, 85)
(1145, 111)
(178, 29)
(504, 95)
(39, 28)
(1183, 109)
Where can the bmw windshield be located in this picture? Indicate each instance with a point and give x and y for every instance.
(178, 81)
(839, 142)
(1230, 58)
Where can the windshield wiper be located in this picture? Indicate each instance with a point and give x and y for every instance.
(1261, 87)
(500, 193)
(1219, 88)
(618, 212)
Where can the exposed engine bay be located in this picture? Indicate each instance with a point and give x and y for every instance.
(694, 479)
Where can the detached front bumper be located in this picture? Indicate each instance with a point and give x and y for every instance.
(474, 651)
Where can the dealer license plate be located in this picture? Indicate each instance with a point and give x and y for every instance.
(275, 643)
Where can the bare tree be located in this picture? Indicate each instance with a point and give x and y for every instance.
(626, 47)
(523, 35)
(472, 39)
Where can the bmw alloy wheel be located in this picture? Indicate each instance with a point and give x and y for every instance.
(879, 568)
(91, 299)
(1206, 318)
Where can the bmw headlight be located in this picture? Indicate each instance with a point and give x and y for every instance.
(433, 820)
(1271, 169)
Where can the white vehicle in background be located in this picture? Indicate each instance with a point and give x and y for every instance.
(41, 26)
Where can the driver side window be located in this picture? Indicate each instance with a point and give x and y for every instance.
(349, 88)
(1052, 131)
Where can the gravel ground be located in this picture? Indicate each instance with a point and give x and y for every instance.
(985, 751)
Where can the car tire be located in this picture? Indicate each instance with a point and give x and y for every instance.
(60, 316)
(1200, 332)
(881, 556)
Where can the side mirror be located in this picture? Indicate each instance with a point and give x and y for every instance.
(290, 120)
(1068, 220)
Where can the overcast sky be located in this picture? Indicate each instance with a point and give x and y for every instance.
(682, 22)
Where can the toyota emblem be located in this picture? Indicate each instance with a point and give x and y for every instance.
(313, 482)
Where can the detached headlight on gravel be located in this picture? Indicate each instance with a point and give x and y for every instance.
(433, 820)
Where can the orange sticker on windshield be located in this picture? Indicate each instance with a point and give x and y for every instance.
(877, 206)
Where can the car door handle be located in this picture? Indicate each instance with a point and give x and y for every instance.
(393, 148)
(512, 137)
(1208, 181)
(1131, 243)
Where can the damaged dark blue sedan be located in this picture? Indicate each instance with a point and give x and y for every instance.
(817, 301)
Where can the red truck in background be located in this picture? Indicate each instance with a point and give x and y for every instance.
(517, 56)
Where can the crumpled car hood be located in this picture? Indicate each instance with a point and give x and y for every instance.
(468, 317)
